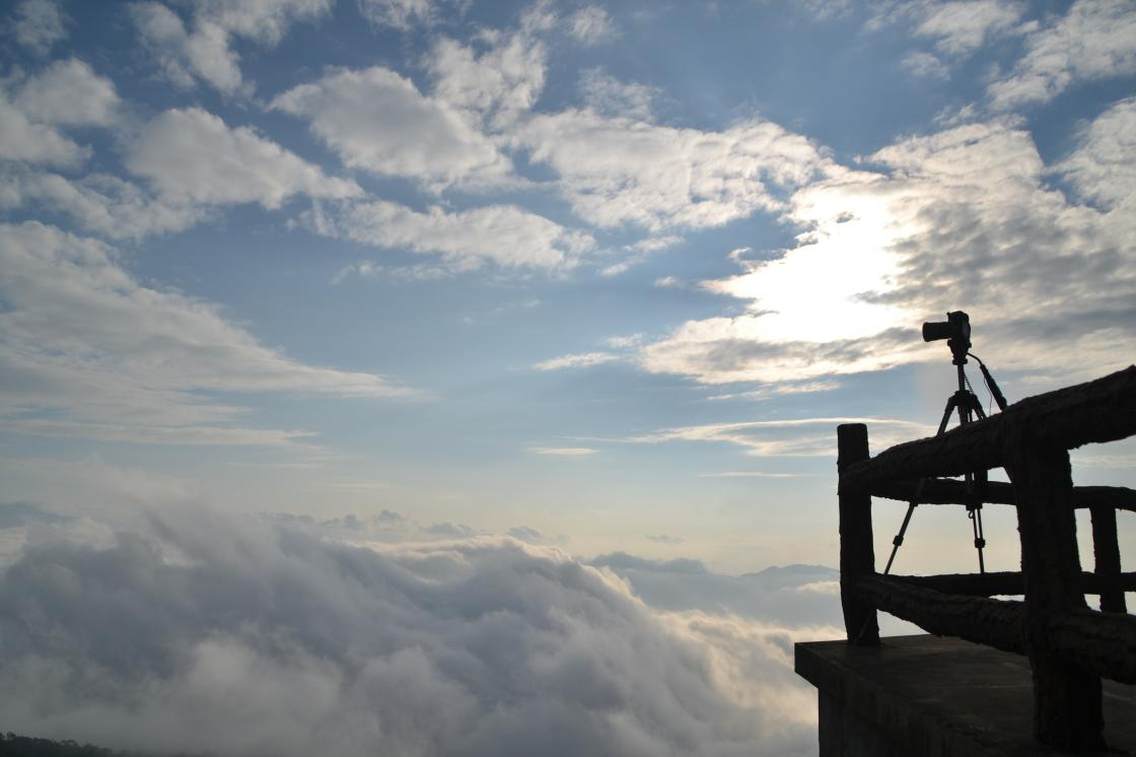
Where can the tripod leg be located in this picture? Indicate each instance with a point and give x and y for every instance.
(946, 415)
(979, 539)
(898, 540)
(975, 482)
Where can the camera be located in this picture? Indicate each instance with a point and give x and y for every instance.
(956, 327)
(956, 330)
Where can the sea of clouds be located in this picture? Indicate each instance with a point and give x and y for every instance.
(188, 630)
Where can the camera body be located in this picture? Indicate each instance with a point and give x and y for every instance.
(956, 330)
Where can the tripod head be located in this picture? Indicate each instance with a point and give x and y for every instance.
(956, 330)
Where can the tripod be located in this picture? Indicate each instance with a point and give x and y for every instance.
(964, 401)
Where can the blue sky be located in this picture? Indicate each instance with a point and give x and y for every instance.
(610, 272)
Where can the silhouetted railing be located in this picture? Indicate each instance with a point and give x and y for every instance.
(1070, 647)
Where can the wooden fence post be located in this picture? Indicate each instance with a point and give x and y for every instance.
(1106, 553)
(857, 552)
(1067, 698)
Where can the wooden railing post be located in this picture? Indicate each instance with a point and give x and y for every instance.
(1106, 553)
(857, 552)
(1067, 698)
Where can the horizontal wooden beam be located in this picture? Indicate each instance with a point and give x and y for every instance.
(1120, 497)
(942, 491)
(1007, 583)
(947, 491)
(1104, 642)
(1103, 410)
(995, 623)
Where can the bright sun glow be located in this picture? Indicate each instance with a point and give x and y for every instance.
(814, 293)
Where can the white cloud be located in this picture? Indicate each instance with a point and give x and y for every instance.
(655, 244)
(592, 25)
(497, 85)
(175, 634)
(961, 219)
(779, 389)
(378, 121)
(21, 139)
(824, 10)
(68, 93)
(99, 203)
(39, 25)
(1095, 39)
(563, 451)
(192, 156)
(503, 234)
(925, 65)
(617, 171)
(962, 26)
(1103, 166)
(958, 27)
(821, 587)
(182, 56)
(742, 348)
(499, 75)
(795, 437)
(668, 282)
(368, 269)
(608, 96)
(203, 50)
(398, 14)
(580, 360)
(88, 351)
(639, 252)
(624, 342)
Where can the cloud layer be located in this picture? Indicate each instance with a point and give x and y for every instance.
(242, 638)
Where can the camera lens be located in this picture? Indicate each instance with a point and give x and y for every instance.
(935, 330)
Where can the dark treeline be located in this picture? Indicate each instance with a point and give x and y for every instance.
(12, 745)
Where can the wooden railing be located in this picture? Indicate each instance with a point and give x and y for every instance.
(1070, 647)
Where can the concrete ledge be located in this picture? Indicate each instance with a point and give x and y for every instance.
(935, 696)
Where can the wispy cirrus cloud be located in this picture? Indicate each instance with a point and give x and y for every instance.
(577, 360)
(87, 350)
(563, 451)
(1093, 40)
(792, 437)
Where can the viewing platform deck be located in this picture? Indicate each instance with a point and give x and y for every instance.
(938, 697)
